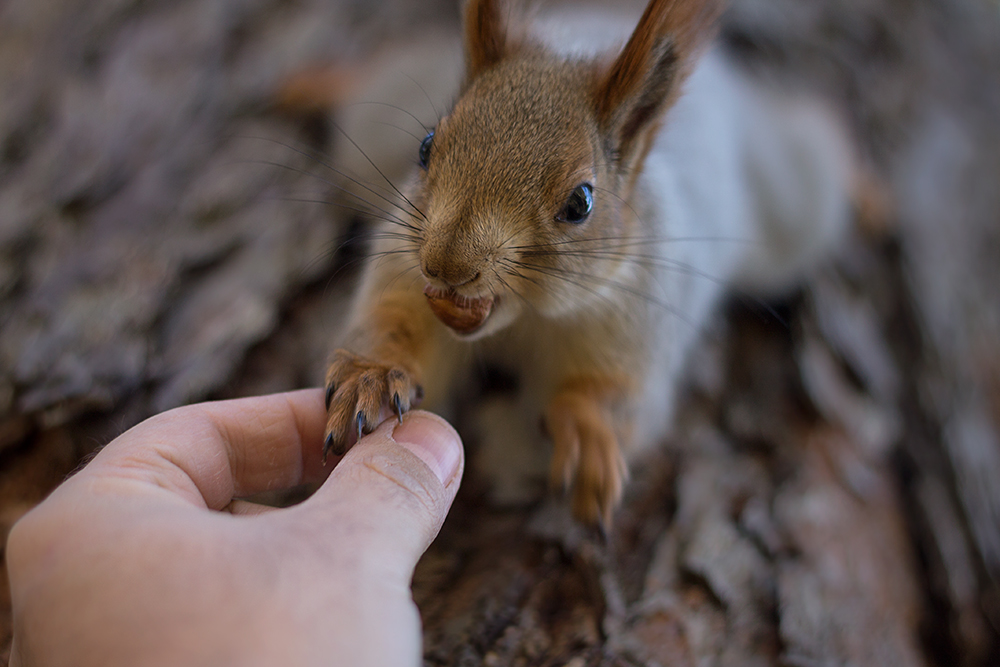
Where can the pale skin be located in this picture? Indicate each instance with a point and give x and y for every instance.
(149, 557)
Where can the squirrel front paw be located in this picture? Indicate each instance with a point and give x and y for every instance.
(586, 458)
(360, 393)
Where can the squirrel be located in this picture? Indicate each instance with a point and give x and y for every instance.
(574, 219)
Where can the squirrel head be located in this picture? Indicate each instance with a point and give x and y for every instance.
(526, 184)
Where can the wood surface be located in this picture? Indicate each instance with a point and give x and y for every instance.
(832, 493)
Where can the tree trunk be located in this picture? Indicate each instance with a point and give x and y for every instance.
(830, 495)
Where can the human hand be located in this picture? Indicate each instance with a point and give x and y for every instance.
(147, 557)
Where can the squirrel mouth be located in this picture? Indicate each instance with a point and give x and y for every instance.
(462, 314)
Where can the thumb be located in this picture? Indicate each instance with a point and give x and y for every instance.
(389, 495)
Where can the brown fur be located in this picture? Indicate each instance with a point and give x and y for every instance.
(488, 35)
(528, 129)
(585, 431)
(632, 94)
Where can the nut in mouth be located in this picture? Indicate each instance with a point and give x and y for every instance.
(462, 314)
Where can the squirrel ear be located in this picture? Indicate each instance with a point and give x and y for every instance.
(632, 94)
(486, 40)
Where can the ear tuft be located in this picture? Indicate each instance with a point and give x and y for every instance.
(486, 35)
(632, 93)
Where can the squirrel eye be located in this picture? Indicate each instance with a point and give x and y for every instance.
(424, 153)
(579, 205)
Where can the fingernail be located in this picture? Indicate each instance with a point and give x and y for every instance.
(433, 440)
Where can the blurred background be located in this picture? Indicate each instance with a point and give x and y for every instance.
(833, 494)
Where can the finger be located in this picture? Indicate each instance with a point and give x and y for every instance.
(389, 495)
(247, 508)
(210, 453)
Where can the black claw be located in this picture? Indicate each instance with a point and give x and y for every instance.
(360, 419)
(399, 407)
(327, 446)
(329, 395)
(419, 392)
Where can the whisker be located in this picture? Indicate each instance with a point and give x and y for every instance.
(328, 253)
(325, 164)
(559, 274)
(513, 270)
(623, 201)
(388, 253)
(396, 234)
(510, 288)
(347, 207)
(379, 171)
(627, 289)
(391, 106)
(428, 97)
(618, 242)
(365, 257)
(648, 262)
(397, 127)
(373, 208)
(400, 275)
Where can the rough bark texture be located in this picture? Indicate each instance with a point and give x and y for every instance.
(832, 494)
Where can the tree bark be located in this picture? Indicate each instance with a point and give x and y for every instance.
(830, 495)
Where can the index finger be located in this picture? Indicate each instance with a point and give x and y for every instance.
(210, 453)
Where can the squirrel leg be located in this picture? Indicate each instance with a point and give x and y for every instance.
(378, 373)
(587, 459)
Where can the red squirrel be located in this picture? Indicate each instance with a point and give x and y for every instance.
(574, 218)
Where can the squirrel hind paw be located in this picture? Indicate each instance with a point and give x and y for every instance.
(587, 461)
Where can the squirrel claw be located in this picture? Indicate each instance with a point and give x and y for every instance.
(361, 423)
(330, 390)
(399, 407)
(327, 446)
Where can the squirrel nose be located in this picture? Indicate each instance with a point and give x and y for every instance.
(451, 274)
